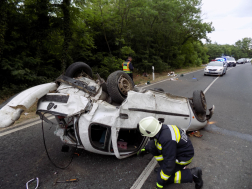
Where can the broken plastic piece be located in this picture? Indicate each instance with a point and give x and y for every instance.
(196, 134)
(27, 184)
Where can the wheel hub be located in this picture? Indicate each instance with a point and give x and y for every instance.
(124, 85)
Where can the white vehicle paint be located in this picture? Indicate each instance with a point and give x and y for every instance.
(96, 125)
(12, 110)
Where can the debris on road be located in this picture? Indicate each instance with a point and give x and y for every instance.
(173, 79)
(171, 74)
(66, 181)
(37, 179)
(196, 134)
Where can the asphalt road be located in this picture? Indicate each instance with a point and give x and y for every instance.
(223, 152)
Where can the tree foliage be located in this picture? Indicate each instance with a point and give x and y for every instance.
(241, 49)
(40, 38)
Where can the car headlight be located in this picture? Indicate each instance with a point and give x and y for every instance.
(220, 69)
(205, 69)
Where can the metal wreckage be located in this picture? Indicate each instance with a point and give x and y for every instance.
(102, 117)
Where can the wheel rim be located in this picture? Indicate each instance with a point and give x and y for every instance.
(124, 85)
(203, 100)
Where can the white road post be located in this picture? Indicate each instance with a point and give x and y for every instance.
(153, 74)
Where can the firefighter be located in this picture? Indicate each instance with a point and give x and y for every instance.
(173, 151)
(127, 67)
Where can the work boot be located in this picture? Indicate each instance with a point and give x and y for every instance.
(197, 177)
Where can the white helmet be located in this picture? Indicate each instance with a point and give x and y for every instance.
(149, 126)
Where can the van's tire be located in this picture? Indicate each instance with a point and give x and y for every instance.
(75, 69)
(199, 102)
(118, 85)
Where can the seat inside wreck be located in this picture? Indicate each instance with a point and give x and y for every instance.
(129, 140)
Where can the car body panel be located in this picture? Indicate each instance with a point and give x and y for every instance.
(85, 112)
(75, 104)
(24, 100)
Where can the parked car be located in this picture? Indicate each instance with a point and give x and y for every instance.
(248, 60)
(231, 61)
(215, 68)
(102, 117)
(241, 61)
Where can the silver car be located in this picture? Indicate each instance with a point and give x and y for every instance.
(241, 61)
(215, 68)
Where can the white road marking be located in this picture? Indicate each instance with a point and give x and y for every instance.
(23, 127)
(210, 85)
(146, 172)
(144, 175)
(213, 82)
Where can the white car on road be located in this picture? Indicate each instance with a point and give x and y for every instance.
(215, 68)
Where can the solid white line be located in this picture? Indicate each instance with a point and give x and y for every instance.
(145, 174)
(210, 85)
(213, 82)
(168, 79)
(23, 127)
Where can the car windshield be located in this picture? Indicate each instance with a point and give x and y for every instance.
(229, 58)
(215, 64)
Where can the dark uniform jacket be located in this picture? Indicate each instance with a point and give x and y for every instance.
(174, 147)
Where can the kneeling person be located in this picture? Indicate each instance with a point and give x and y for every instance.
(173, 150)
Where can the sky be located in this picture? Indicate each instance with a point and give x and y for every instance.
(232, 19)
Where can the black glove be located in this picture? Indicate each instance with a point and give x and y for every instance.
(142, 152)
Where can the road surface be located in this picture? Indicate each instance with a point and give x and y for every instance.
(224, 152)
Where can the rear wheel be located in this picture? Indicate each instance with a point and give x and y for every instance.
(77, 69)
(199, 102)
(118, 85)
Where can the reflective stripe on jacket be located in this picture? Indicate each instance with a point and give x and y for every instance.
(175, 148)
(126, 68)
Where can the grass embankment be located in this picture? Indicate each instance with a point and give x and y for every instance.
(139, 79)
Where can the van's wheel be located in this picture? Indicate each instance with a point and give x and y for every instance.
(199, 102)
(77, 69)
(118, 85)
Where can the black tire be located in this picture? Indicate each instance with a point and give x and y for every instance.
(199, 102)
(114, 86)
(75, 69)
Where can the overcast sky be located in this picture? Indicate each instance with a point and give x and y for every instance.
(232, 19)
